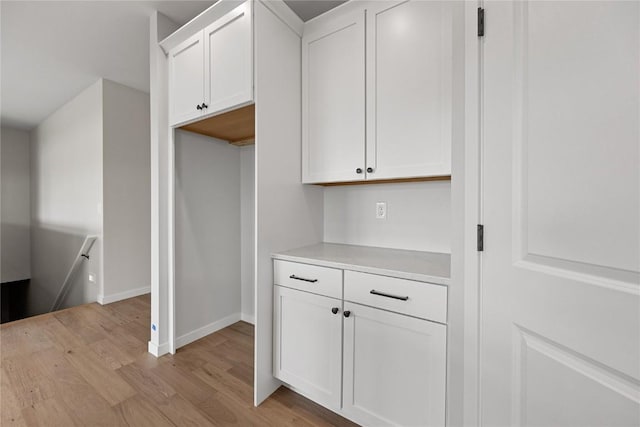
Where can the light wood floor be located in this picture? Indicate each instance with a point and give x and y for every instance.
(89, 366)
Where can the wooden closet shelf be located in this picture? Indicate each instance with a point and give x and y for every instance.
(388, 181)
(237, 126)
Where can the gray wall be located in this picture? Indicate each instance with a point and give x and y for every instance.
(16, 206)
(418, 215)
(248, 230)
(126, 193)
(66, 199)
(207, 231)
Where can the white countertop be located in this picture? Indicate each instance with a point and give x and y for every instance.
(429, 267)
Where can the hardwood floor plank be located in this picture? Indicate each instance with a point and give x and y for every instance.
(104, 380)
(111, 355)
(139, 412)
(146, 383)
(183, 413)
(89, 366)
(185, 383)
(28, 383)
(48, 413)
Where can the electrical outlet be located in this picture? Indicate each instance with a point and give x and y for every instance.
(381, 210)
(92, 278)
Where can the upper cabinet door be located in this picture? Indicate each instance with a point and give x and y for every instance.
(186, 79)
(409, 89)
(228, 45)
(333, 100)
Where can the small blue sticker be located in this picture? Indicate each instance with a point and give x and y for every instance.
(153, 326)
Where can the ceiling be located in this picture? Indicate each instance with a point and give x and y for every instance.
(52, 50)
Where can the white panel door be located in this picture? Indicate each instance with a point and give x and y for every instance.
(333, 101)
(186, 80)
(229, 60)
(394, 368)
(308, 344)
(560, 306)
(409, 89)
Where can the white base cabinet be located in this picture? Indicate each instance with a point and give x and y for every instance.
(394, 368)
(373, 363)
(308, 343)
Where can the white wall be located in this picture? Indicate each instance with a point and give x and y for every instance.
(247, 231)
(15, 215)
(126, 193)
(66, 199)
(207, 233)
(418, 215)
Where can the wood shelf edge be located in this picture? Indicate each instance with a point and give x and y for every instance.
(387, 181)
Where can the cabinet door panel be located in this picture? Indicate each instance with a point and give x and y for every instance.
(308, 344)
(409, 89)
(186, 79)
(229, 67)
(394, 368)
(333, 108)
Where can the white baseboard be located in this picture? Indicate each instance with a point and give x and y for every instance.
(248, 318)
(158, 350)
(108, 299)
(207, 329)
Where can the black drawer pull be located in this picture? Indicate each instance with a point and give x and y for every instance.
(382, 294)
(293, 276)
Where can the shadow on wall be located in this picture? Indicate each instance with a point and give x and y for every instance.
(53, 251)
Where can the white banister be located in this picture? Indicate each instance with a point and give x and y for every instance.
(83, 254)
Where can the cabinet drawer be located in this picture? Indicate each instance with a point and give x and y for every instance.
(419, 299)
(310, 278)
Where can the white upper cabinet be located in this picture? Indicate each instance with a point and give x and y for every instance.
(333, 106)
(186, 79)
(405, 98)
(409, 93)
(229, 60)
(212, 71)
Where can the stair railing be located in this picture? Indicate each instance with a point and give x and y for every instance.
(83, 255)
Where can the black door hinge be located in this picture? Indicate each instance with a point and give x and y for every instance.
(480, 237)
(480, 22)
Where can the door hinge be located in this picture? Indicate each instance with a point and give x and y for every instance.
(480, 22)
(480, 237)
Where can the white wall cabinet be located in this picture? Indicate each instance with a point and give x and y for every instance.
(212, 71)
(386, 368)
(333, 101)
(186, 79)
(397, 121)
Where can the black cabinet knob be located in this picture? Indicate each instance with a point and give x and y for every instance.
(359, 170)
(198, 107)
(347, 313)
(334, 310)
(204, 106)
(369, 170)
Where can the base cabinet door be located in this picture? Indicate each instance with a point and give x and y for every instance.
(394, 368)
(308, 344)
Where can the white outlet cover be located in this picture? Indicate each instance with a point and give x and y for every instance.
(92, 278)
(381, 210)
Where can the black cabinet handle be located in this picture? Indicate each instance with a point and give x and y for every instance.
(198, 107)
(204, 106)
(335, 310)
(369, 170)
(347, 313)
(382, 294)
(293, 276)
(359, 170)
